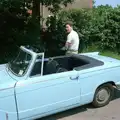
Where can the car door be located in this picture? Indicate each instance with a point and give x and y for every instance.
(41, 94)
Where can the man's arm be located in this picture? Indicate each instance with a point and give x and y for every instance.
(67, 45)
(68, 42)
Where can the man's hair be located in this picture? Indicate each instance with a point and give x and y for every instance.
(69, 23)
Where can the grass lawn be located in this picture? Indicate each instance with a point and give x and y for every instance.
(111, 54)
(104, 53)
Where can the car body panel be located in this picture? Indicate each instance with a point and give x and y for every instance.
(6, 81)
(7, 96)
(8, 109)
(92, 80)
(49, 93)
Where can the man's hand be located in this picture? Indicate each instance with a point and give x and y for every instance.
(67, 45)
(63, 48)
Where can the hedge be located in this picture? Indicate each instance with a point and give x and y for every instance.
(98, 26)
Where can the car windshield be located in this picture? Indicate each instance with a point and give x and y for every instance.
(20, 64)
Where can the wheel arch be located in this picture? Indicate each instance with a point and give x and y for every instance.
(109, 82)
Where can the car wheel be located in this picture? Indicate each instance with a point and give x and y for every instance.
(103, 95)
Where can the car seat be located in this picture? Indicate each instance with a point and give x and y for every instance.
(51, 66)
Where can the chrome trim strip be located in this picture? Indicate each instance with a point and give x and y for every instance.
(6, 88)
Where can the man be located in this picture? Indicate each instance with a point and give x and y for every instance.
(72, 43)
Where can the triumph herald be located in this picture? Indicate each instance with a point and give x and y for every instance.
(33, 86)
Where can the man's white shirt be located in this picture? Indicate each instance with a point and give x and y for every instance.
(73, 39)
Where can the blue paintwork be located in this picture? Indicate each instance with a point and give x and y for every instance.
(26, 98)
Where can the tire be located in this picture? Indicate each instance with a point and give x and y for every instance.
(103, 95)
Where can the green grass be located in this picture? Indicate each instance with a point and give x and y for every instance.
(104, 53)
(110, 54)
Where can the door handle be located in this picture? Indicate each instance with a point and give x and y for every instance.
(74, 78)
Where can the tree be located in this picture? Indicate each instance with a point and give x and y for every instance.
(53, 6)
(18, 27)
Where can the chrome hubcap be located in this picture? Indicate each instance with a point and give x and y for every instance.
(103, 95)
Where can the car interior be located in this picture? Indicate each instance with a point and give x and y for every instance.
(58, 64)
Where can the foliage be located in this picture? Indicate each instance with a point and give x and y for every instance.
(55, 5)
(17, 27)
(54, 37)
(12, 22)
(99, 26)
(108, 53)
(80, 20)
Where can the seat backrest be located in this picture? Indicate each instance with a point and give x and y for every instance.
(51, 67)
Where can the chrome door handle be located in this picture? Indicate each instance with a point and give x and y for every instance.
(74, 78)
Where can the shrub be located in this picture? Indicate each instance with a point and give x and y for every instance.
(99, 26)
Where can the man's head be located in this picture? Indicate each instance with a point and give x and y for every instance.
(69, 26)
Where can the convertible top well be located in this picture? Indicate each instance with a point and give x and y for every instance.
(91, 62)
(78, 62)
(65, 63)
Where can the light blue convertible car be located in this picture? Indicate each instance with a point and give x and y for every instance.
(32, 86)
